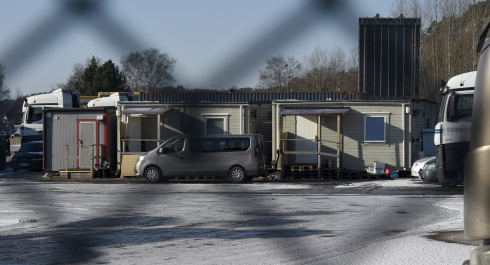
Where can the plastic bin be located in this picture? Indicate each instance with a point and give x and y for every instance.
(379, 167)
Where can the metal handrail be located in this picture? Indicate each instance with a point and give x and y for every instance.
(283, 152)
(123, 151)
(315, 140)
(318, 153)
(92, 157)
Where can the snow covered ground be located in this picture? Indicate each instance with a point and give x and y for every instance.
(372, 222)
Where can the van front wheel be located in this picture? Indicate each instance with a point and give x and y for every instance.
(153, 174)
(237, 175)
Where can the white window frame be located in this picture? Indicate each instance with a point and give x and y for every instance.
(223, 116)
(384, 132)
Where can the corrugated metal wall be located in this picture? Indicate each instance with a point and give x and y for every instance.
(61, 131)
(389, 51)
(246, 97)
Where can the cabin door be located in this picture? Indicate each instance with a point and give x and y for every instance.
(306, 128)
(87, 138)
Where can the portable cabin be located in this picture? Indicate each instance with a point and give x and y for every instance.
(72, 137)
(143, 126)
(349, 134)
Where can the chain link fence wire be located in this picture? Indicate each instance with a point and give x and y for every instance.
(79, 241)
(94, 13)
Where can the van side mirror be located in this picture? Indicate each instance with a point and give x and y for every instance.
(160, 151)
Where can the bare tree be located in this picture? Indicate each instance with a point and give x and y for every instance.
(351, 82)
(397, 8)
(414, 9)
(330, 70)
(278, 73)
(338, 67)
(148, 70)
(293, 69)
(315, 70)
(449, 9)
(4, 91)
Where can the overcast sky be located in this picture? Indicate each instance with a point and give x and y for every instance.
(215, 42)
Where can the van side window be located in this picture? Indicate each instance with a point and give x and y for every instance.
(202, 145)
(233, 144)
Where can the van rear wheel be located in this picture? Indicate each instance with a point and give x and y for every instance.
(237, 175)
(153, 174)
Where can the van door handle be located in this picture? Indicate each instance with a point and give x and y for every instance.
(181, 157)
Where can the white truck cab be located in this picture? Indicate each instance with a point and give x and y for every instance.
(452, 132)
(112, 100)
(31, 128)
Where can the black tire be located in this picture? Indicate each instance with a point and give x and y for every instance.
(237, 175)
(153, 174)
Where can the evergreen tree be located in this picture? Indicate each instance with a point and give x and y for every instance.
(87, 89)
(103, 78)
(121, 82)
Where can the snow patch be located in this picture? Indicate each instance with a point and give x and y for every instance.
(388, 183)
(407, 250)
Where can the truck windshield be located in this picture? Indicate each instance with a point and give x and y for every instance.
(462, 107)
(34, 114)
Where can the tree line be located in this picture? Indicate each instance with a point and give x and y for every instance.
(145, 71)
(325, 70)
(449, 33)
(10, 104)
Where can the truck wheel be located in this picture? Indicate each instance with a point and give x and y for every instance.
(237, 175)
(153, 174)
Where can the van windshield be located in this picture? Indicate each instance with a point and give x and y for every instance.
(174, 145)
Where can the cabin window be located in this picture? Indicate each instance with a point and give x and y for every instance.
(374, 129)
(215, 125)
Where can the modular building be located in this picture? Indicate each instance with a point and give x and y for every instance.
(352, 134)
(72, 137)
(143, 126)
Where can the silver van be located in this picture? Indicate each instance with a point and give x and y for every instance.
(236, 157)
